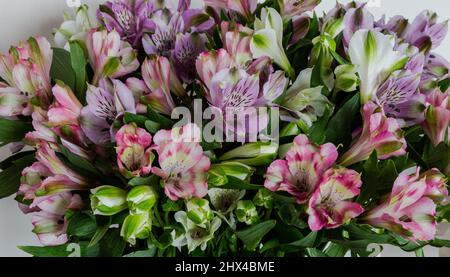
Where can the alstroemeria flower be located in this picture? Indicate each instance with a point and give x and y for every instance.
(410, 210)
(356, 19)
(183, 165)
(75, 28)
(26, 71)
(425, 33)
(436, 69)
(300, 173)
(243, 7)
(194, 235)
(437, 116)
(268, 40)
(159, 80)
(303, 101)
(380, 133)
(50, 223)
(134, 156)
(106, 103)
(179, 36)
(331, 205)
(130, 18)
(110, 56)
(64, 114)
(293, 8)
(47, 156)
(374, 55)
(30, 182)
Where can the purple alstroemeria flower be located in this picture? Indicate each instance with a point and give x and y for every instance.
(107, 103)
(179, 36)
(130, 18)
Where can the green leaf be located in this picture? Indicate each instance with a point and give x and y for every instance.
(307, 242)
(140, 120)
(78, 62)
(314, 252)
(152, 180)
(142, 254)
(61, 68)
(236, 183)
(252, 236)
(152, 126)
(65, 250)
(317, 132)
(165, 122)
(13, 130)
(10, 177)
(444, 84)
(101, 231)
(340, 128)
(10, 161)
(437, 157)
(112, 244)
(336, 250)
(81, 225)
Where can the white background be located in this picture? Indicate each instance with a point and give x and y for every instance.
(20, 19)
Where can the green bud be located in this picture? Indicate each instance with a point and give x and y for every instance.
(108, 200)
(253, 154)
(334, 27)
(346, 78)
(199, 212)
(136, 226)
(246, 212)
(218, 173)
(263, 198)
(141, 199)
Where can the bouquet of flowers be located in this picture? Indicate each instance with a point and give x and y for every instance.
(228, 128)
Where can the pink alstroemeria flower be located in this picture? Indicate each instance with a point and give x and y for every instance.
(159, 80)
(243, 7)
(50, 223)
(300, 173)
(134, 156)
(183, 165)
(380, 133)
(109, 55)
(437, 116)
(410, 210)
(26, 71)
(331, 205)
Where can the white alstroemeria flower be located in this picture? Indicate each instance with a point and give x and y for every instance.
(75, 28)
(374, 55)
(268, 40)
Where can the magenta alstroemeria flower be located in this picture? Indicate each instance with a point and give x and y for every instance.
(26, 71)
(47, 156)
(179, 35)
(159, 80)
(299, 174)
(110, 56)
(294, 8)
(183, 165)
(30, 182)
(130, 18)
(134, 156)
(64, 114)
(436, 69)
(380, 133)
(437, 116)
(50, 223)
(331, 205)
(410, 210)
(243, 7)
(106, 103)
(425, 32)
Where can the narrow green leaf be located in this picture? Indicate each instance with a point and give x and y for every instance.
(252, 236)
(78, 62)
(13, 130)
(61, 68)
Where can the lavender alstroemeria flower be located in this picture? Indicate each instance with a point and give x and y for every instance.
(107, 103)
(130, 18)
(179, 36)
